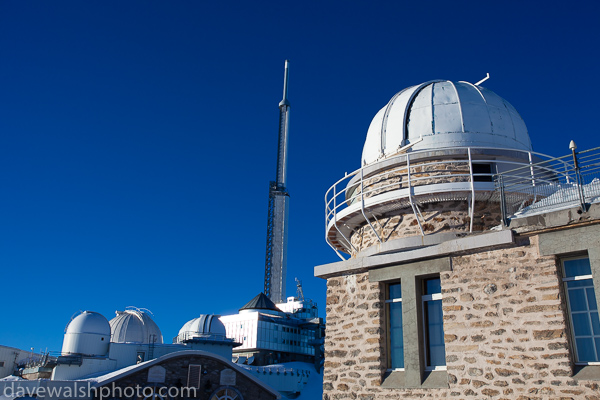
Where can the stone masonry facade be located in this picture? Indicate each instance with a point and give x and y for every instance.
(437, 215)
(505, 328)
(450, 216)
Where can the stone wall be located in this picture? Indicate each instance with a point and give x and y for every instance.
(451, 216)
(504, 324)
(505, 327)
(422, 173)
(354, 344)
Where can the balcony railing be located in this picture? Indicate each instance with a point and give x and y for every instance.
(562, 182)
(521, 182)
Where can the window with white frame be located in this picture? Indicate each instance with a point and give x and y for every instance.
(396, 336)
(582, 309)
(433, 325)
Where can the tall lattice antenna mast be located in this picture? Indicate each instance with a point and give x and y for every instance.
(277, 222)
(299, 291)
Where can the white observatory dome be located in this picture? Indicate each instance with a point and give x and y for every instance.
(443, 114)
(203, 327)
(87, 334)
(134, 326)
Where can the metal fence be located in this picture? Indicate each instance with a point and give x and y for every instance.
(516, 180)
(562, 182)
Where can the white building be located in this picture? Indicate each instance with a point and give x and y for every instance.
(10, 357)
(272, 333)
(95, 349)
(93, 345)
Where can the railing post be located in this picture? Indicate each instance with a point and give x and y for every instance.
(579, 180)
(532, 178)
(472, 213)
(336, 224)
(503, 210)
(362, 203)
(410, 200)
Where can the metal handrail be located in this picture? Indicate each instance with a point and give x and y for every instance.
(200, 336)
(359, 186)
(563, 183)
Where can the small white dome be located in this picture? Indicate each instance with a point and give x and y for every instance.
(205, 326)
(442, 114)
(134, 326)
(89, 322)
(88, 333)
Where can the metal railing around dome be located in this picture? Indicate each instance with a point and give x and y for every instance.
(195, 336)
(562, 182)
(410, 178)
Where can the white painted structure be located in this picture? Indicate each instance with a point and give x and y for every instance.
(203, 328)
(134, 325)
(89, 351)
(11, 356)
(303, 309)
(136, 339)
(268, 332)
(461, 134)
(440, 114)
(87, 334)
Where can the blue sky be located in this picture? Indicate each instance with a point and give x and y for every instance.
(138, 138)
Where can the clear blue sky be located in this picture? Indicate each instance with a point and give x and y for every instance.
(138, 138)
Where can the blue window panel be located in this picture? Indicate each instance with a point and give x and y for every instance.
(577, 300)
(395, 291)
(396, 335)
(581, 324)
(432, 286)
(396, 315)
(580, 283)
(585, 350)
(577, 267)
(436, 353)
(583, 310)
(595, 323)
(591, 295)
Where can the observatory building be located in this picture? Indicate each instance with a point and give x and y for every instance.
(278, 343)
(102, 358)
(470, 265)
(93, 345)
(272, 333)
(96, 350)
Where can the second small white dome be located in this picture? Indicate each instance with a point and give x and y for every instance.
(205, 326)
(134, 326)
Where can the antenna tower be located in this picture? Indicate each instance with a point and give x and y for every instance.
(277, 221)
(299, 292)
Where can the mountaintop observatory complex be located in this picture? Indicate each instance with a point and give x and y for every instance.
(470, 264)
(271, 349)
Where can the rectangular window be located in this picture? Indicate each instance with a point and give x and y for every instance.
(396, 339)
(433, 325)
(482, 172)
(194, 375)
(583, 310)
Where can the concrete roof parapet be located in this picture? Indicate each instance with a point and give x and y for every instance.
(444, 248)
